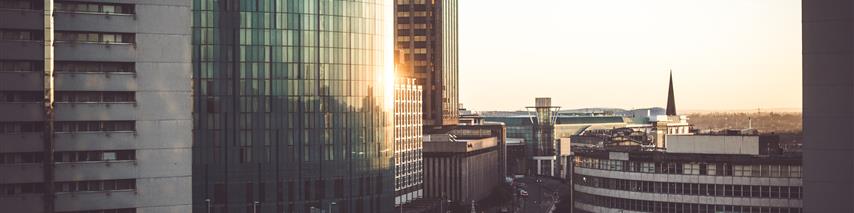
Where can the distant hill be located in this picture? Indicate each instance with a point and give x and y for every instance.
(765, 122)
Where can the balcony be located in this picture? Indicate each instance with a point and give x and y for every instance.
(21, 203)
(82, 141)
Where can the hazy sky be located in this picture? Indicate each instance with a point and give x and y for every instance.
(725, 54)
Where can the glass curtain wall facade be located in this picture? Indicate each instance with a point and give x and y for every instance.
(292, 106)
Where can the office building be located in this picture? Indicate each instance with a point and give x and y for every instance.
(426, 36)
(95, 103)
(460, 170)
(293, 106)
(696, 173)
(409, 167)
(828, 92)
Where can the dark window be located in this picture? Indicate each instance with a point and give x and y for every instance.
(21, 127)
(21, 35)
(21, 96)
(21, 66)
(21, 4)
(89, 66)
(95, 126)
(94, 97)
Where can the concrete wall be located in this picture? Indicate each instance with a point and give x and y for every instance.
(713, 144)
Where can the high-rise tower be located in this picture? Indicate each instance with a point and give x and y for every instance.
(95, 103)
(426, 36)
(293, 106)
(828, 94)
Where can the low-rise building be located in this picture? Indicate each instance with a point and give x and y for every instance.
(694, 173)
(460, 170)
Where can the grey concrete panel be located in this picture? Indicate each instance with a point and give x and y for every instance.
(22, 203)
(164, 162)
(21, 81)
(164, 105)
(159, 19)
(163, 48)
(74, 51)
(21, 19)
(165, 76)
(21, 50)
(68, 21)
(21, 111)
(23, 142)
(21, 173)
(96, 171)
(96, 111)
(96, 82)
(82, 141)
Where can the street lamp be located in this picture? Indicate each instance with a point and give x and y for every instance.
(208, 202)
(331, 205)
(255, 206)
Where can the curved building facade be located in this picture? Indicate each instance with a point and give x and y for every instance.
(655, 181)
(292, 106)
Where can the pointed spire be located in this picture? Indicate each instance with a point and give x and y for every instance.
(671, 102)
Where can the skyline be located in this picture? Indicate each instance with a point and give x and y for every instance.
(757, 52)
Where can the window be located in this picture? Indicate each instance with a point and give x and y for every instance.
(95, 126)
(95, 37)
(21, 127)
(21, 96)
(90, 66)
(84, 156)
(21, 35)
(20, 4)
(94, 97)
(21, 158)
(95, 185)
(91, 7)
(21, 66)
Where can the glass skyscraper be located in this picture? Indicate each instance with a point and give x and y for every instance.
(292, 106)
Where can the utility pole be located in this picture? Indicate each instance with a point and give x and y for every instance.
(48, 108)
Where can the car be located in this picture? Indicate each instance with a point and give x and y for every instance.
(523, 193)
(539, 180)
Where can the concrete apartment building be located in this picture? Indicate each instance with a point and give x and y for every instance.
(828, 95)
(119, 137)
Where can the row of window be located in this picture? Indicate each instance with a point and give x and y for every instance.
(68, 126)
(93, 7)
(691, 168)
(105, 211)
(669, 207)
(70, 6)
(66, 66)
(92, 37)
(68, 96)
(96, 186)
(95, 37)
(66, 157)
(718, 190)
(69, 186)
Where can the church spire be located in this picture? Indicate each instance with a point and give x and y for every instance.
(671, 102)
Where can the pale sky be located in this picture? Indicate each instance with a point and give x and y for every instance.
(725, 54)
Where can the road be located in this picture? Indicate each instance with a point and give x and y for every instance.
(541, 196)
